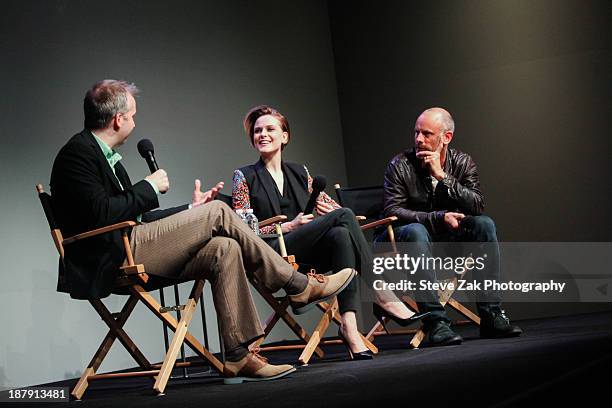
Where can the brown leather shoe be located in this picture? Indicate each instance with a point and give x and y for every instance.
(320, 288)
(253, 367)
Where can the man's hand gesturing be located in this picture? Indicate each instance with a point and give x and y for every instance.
(199, 197)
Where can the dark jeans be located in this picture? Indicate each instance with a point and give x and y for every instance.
(331, 242)
(474, 229)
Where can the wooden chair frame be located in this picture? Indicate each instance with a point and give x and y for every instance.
(280, 304)
(133, 276)
(445, 296)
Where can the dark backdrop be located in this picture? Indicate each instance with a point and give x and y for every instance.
(528, 84)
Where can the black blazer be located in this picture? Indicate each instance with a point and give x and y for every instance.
(86, 195)
(263, 197)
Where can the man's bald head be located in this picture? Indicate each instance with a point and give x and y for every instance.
(433, 131)
(441, 116)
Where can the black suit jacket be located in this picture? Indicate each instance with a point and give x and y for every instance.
(86, 195)
(263, 198)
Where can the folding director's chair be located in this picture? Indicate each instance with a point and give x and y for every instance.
(367, 204)
(280, 304)
(132, 277)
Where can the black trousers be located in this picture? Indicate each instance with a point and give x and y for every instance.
(332, 242)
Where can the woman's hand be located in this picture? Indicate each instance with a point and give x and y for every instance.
(297, 222)
(324, 208)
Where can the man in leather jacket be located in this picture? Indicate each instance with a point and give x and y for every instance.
(435, 193)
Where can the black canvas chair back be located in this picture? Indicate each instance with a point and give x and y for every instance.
(47, 205)
(367, 204)
(366, 201)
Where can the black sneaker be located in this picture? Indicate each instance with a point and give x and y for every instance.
(439, 333)
(496, 325)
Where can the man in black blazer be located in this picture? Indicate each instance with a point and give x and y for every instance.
(204, 239)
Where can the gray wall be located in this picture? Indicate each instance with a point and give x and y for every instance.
(201, 66)
(529, 85)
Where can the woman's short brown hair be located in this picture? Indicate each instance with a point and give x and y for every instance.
(262, 110)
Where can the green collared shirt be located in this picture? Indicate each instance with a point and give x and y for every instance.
(112, 157)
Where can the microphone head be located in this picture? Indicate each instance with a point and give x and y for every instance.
(319, 183)
(144, 147)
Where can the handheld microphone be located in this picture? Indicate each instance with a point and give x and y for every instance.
(318, 185)
(146, 150)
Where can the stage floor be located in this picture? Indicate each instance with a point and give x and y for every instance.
(555, 360)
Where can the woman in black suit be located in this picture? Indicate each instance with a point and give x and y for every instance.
(331, 241)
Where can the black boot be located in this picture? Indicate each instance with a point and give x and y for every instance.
(439, 333)
(495, 324)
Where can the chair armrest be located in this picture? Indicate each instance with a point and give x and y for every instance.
(103, 230)
(268, 236)
(272, 220)
(375, 224)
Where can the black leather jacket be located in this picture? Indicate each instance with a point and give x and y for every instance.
(409, 195)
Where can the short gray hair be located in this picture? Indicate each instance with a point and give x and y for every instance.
(104, 100)
(445, 117)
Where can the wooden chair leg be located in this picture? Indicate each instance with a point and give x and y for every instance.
(150, 302)
(179, 336)
(324, 306)
(318, 333)
(418, 338)
(391, 234)
(100, 354)
(280, 307)
(82, 384)
(280, 312)
(121, 335)
(369, 344)
(464, 311)
(444, 296)
(275, 316)
(375, 329)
